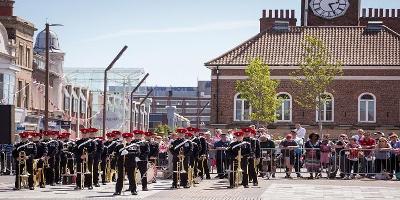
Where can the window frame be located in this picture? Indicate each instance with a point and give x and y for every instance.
(283, 107)
(324, 109)
(242, 110)
(366, 111)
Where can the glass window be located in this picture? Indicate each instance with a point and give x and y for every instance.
(2, 88)
(66, 103)
(19, 97)
(26, 103)
(367, 108)
(242, 109)
(21, 54)
(284, 112)
(28, 57)
(83, 106)
(326, 108)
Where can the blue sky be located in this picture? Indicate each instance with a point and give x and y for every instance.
(170, 39)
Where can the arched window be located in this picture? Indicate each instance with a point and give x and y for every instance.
(284, 112)
(327, 108)
(367, 108)
(242, 109)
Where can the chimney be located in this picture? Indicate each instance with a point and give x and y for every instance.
(267, 22)
(374, 26)
(6, 7)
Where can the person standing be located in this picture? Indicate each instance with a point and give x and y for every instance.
(255, 153)
(67, 155)
(52, 146)
(235, 161)
(181, 150)
(154, 150)
(42, 151)
(222, 163)
(57, 166)
(108, 155)
(84, 150)
(26, 162)
(267, 160)
(127, 154)
(143, 156)
(368, 145)
(300, 131)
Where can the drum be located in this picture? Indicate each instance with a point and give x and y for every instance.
(150, 173)
(69, 179)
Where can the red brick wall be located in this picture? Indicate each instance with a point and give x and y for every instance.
(268, 19)
(345, 102)
(389, 17)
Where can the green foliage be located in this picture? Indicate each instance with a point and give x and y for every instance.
(162, 130)
(260, 91)
(315, 75)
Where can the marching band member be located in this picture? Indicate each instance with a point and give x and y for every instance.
(84, 143)
(52, 146)
(98, 141)
(67, 154)
(195, 155)
(222, 162)
(255, 153)
(108, 151)
(57, 169)
(29, 148)
(181, 150)
(126, 163)
(143, 157)
(42, 151)
(195, 159)
(233, 152)
(203, 157)
(154, 148)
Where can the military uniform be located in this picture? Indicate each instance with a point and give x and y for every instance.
(107, 154)
(203, 159)
(254, 156)
(52, 146)
(91, 150)
(233, 151)
(57, 166)
(97, 159)
(143, 157)
(187, 149)
(30, 151)
(126, 162)
(67, 157)
(42, 151)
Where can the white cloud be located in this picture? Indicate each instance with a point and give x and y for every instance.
(218, 26)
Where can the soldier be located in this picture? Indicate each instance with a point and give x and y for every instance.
(181, 150)
(98, 141)
(108, 154)
(29, 149)
(203, 160)
(189, 136)
(154, 149)
(221, 158)
(255, 153)
(41, 154)
(52, 147)
(67, 154)
(143, 157)
(56, 137)
(84, 163)
(126, 162)
(195, 159)
(233, 152)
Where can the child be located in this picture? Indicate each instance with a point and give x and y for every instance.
(326, 149)
(352, 158)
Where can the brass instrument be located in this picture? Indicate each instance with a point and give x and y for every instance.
(180, 167)
(38, 173)
(238, 172)
(110, 172)
(4, 162)
(84, 166)
(191, 176)
(202, 159)
(24, 175)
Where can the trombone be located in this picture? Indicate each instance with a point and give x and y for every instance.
(84, 167)
(23, 175)
(180, 167)
(237, 174)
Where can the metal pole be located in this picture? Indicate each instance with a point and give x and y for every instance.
(130, 111)
(105, 88)
(46, 91)
(140, 105)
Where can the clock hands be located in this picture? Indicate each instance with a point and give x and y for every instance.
(330, 5)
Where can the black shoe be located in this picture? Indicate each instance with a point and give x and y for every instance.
(104, 183)
(255, 184)
(186, 186)
(16, 188)
(273, 175)
(96, 185)
(31, 188)
(134, 193)
(230, 187)
(42, 186)
(90, 187)
(208, 178)
(174, 187)
(145, 189)
(117, 193)
(52, 184)
(154, 181)
(77, 188)
(245, 186)
(58, 182)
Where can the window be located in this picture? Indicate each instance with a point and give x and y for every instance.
(21, 54)
(75, 105)
(2, 86)
(367, 108)
(83, 106)
(284, 112)
(26, 103)
(66, 103)
(28, 57)
(326, 108)
(19, 97)
(242, 109)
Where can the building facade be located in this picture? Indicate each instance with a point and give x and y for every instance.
(366, 96)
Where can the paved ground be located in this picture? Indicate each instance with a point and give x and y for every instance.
(216, 189)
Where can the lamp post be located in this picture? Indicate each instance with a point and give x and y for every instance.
(140, 105)
(131, 102)
(105, 88)
(46, 89)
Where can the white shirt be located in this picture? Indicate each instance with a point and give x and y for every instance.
(301, 132)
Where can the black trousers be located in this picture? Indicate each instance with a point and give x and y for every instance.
(245, 175)
(40, 165)
(89, 177)
(203, 168)
(222, 165)
(252, 170)
(50, 171)
(57, 174)
(183, 176)
(67, 163)
(19, 169)
(142, 166)
(103, 169)
(130, 171)
(96, 171)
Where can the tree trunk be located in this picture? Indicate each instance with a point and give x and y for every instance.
(319, 116)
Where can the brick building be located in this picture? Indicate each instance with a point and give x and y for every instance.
(366, 96)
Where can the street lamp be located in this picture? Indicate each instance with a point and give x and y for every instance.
(131, 102)
(140, 105)
(46, 91)
(105, 88)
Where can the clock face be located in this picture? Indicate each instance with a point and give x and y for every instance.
(329, 9)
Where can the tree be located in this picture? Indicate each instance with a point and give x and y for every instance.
(260, 91)
(162, 130)
(317, 72)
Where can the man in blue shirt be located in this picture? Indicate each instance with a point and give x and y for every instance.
(222, 162)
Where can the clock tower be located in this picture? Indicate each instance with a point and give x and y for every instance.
(330, 12)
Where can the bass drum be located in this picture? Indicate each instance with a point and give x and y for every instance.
(150, 174)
